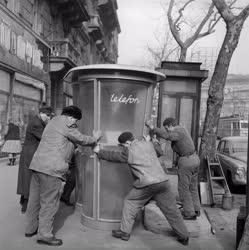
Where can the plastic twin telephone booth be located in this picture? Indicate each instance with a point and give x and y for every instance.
(113, 99)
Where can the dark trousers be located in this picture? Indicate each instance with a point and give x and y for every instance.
(70, 184)
(165, 200)
(44, 200)
(188, 168)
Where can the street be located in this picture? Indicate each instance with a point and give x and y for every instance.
(77, 236)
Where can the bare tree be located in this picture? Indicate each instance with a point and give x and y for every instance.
(172, 43)
(163, 49)
(200, 28)
(234, 24)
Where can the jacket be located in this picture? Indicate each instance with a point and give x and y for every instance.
(142, 159)
(13, 132)
(181, 141)
(57, 146)
(32, 139)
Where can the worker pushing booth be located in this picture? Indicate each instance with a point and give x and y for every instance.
(113, 99)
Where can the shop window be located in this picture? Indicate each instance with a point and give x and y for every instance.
(22, 111)
(3, 113)
(26, 90)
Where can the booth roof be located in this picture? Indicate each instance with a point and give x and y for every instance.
(160, 76)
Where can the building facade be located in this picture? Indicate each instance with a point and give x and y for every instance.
(40, 40)
(236, 97)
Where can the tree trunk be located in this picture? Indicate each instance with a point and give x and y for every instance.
(215, 93)
(183, 54)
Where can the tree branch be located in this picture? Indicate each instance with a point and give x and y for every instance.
(244, 13)
(180, 11)
(173, 28)
(224, 10)
(200, 27)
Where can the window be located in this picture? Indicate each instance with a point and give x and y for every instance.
(122, 108)
(221, 146)
(226, 148)
(5, 35)
(244, 125)
(240, 146)
(13, 42)
(235, 125)
(68, 100)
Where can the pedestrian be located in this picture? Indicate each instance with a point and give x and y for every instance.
(151, 182)
(33, 136)
(70, 182)
(12, 144)
(49, 166)
(188, 164)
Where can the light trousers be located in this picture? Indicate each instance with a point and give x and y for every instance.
(165, 200)
(44, 200)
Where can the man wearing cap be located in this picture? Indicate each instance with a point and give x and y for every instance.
(151, 182)
(188, 164)
(49, 166)
(33, 136)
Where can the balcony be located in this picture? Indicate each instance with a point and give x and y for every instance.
(74, 12)
(63, 53)
(107, 10)
(95, 28)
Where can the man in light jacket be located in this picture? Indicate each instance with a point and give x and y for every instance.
(151, 182)
(49, 166)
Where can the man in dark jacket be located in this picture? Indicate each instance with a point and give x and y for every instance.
(49, 166)
(33, 136)
(188, 165)
(151, 183)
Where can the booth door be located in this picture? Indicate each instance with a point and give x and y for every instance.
(183, 109)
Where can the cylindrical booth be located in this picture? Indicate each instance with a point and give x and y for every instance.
(113, 99)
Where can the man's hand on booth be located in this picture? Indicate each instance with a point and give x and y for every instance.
(146, 137)
(96, 149)
(149, 124)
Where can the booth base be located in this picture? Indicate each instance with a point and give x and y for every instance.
(99, 224)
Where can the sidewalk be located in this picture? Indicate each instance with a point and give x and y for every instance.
(76, 236)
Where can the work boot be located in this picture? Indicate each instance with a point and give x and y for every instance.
(184, 241)
(192, 217)
(120, 234)
(50, 241)
(188, 217)
(31, 234)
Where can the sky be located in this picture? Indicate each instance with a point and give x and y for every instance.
(141, 19)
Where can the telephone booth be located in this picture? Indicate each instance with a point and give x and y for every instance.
(113, 99)
(179, 97)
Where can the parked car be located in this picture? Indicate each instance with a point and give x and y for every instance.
(232, 153)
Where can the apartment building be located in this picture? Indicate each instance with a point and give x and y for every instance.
(40, 40)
